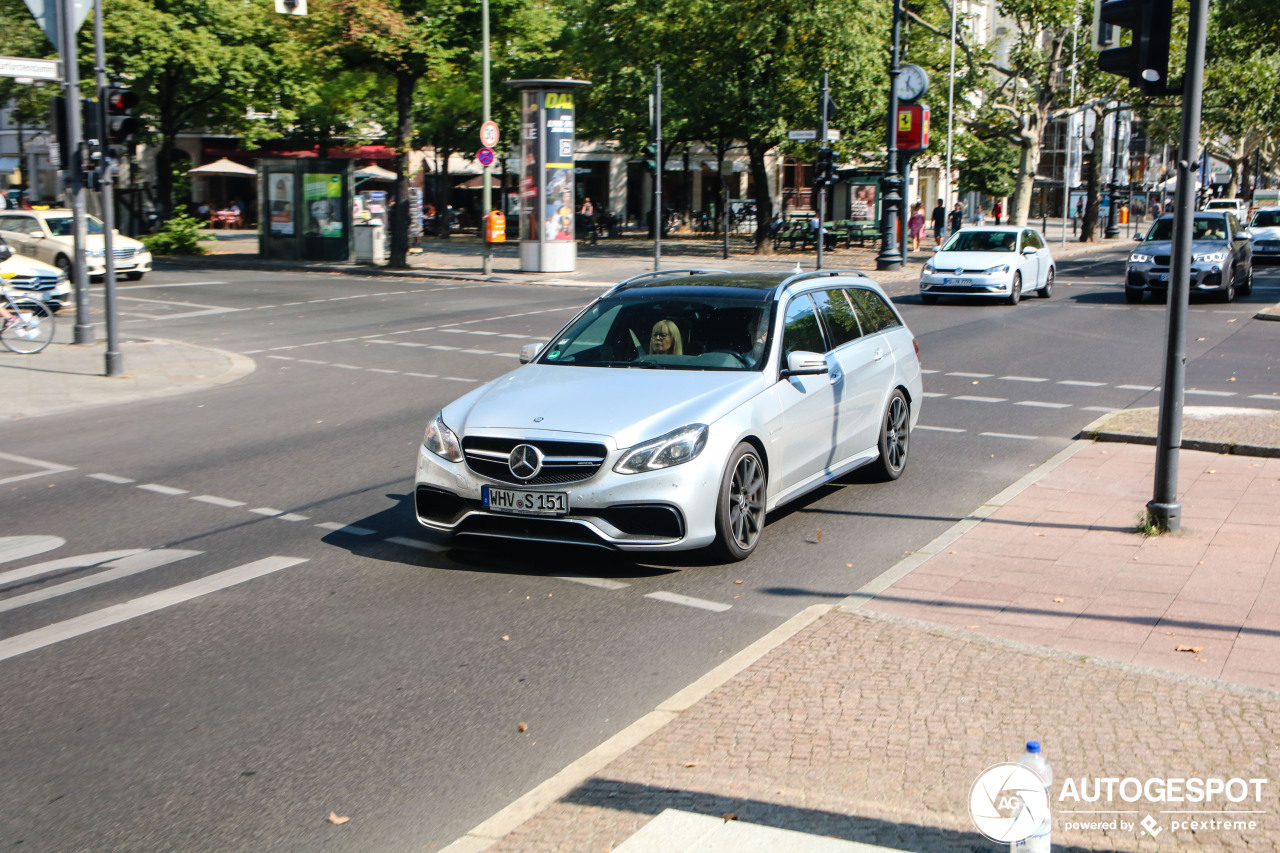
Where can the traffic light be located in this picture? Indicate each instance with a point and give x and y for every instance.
(120, 123)
(824, 172)
(60, 149)
(91, 131)
(650, 156)
(1145, 60)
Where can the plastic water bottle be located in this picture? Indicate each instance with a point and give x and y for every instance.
(1039, 841)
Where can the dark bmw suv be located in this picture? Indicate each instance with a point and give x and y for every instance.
(1221, 258)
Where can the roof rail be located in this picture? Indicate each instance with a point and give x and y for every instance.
(819, 274)
(658, 273)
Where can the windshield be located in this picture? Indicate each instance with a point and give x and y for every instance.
(60, 226)
(982, 241)
(1266, 219)
(1202, 228)
(648, 330)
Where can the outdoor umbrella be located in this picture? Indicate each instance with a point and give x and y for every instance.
(223, 167)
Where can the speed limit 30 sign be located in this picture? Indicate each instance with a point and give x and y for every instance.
(489, 134)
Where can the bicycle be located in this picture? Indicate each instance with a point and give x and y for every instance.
(29, 326)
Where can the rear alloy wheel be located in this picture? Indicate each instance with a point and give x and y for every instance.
(1132, 295)
(1228, 293)
(740, 507)
(1015, 289)
(1046, 291)
(895, 437)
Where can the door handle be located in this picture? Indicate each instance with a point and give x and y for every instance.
(878, 354)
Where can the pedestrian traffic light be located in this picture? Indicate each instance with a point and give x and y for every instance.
(91, 131)
(650, 155)
(60, 150)
(121, 124)
(825, 171)
(1145, 60)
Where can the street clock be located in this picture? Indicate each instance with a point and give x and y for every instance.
(913, 82)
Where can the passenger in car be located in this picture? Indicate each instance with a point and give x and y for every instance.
(665, 339)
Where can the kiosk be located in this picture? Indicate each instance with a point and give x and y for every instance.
(547, 199)
(306, 209)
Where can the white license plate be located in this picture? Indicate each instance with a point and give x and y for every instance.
(1161, 277)
(958, 282)
(525, 503)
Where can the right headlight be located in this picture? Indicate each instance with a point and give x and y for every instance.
(1139, 258)
(441, 440)
(678, 446)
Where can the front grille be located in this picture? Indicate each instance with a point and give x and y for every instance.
(563, 461)
(1162, 260)
(122, 253)
(528, 529)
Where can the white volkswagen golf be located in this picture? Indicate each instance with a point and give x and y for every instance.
(676, 411)
(1000, 262)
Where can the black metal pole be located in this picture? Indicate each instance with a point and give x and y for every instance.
(657, 167)
(1164, 510)
(114, 361)
(1112, 229)
(891, 184)
(74, 169)
(822, 185)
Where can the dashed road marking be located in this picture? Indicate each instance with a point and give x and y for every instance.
(971, 375)
(1009, 435)
(971, 399)
(1138, 387)
(689, 601)
(1024, 379)
(602, 583)
(112, 478)
(345, 528)
(1083, 383)
(1103, 409)
(45, 468)
(1039, 404)
(267, 511)
(939, 429)
(1210, 393)
(217, 501)
(162, 490)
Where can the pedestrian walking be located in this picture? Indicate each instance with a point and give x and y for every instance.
(939, 222)
(997, 211)
(1156, 210)
(957, 218)
(915, 225)
(980, 217)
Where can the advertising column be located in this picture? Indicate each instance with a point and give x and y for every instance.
(546, 175)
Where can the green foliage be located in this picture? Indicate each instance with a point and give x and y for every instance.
(181, 235)
(987, 166)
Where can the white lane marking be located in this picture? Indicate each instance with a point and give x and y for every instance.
(443, 348)
(216, 501)
(293, 516)
(477, 351)
(346, 528)
(422, 375)
(939, 429)
(506, 354)
(1042, 405)
(1210, 393)
(971, 375)
(59, 631)
(49, 468)
(932, 394)
(283, 357)
(458, 379)
(268, 511)
(409, 344)
(1103, 409)
(162, 490)
(457, 331)
(478, 332)
(982, 399)
(80, 561)
(1263, 397)
(922, 370)
(312, 361)
(20, 547)
(689, 601)
(381, 370)
(1138, 387)
(178, 284)
(416, 543)
(116, 569)
(112, 478)
(1009, 435)
(1024, 379)
(346, 366)
(602, 583)
(519, 337)
(1081, 382)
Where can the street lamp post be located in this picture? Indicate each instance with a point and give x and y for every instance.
(486, 258)
(1113, 229)
(890, 258)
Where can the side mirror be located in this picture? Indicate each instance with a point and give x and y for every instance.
(935, 248)
(1137, 237)
(1028, 250)
(801, 363)
(1245, 234)
(529, 352)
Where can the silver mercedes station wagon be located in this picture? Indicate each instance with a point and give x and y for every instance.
(676, 411)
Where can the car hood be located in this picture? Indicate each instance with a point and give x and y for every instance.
(973, 261)
(25, 265)
(631, 405)
(1165, 247)
(95, 242)
(1269, 232)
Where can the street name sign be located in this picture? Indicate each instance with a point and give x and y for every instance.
(34, 69)
(810, 135)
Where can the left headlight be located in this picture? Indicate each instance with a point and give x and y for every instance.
(441, 440)
(679, 445)
(96, 253)
(1209, 258)
(998, 269)
(1139, 258)
(929, 268)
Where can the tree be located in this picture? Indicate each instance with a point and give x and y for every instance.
(760, 79)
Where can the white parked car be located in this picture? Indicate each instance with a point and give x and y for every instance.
(1265, 228)
(1000, 261)
(31, 279)
(1233, 205)
(676, 411)
(46, 235)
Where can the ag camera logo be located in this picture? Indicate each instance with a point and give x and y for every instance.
(1008, 802)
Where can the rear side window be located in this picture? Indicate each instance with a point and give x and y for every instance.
(873, 312)
(1032, 239)
(800, 332)
(837, 316)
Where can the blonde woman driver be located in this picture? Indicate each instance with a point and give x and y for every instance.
(665, 339)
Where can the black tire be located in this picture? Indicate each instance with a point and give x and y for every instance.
(740, 506)
(1046, 291)
(1015, 290)
(32, 332)
(63, 263)
(1246, 287)
(929, 298)
(895, 437)
(134, 276)
(1132, 295)
(1228, 293)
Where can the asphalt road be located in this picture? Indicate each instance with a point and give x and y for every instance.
(301, 646)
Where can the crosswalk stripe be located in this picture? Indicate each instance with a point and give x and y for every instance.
(602, 583)
(80, 561)
(116, 569)
(689, 601)
(108, 616)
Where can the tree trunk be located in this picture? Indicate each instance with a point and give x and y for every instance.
(1092, 184)
(164, 174)
(405, 83)
(764, 201)
(1028, 160)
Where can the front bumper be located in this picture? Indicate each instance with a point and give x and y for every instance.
(1150, 277)
(971, 284)
(138, 263)
(1268, 250)
(671, 509)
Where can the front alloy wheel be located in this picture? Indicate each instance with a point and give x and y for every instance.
(895, 437)
(740, 508)
(1015, 289)
(1046, 291)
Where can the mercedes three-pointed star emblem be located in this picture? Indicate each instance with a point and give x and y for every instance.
(525, 461)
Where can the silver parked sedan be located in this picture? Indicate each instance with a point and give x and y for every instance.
(676, 411)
